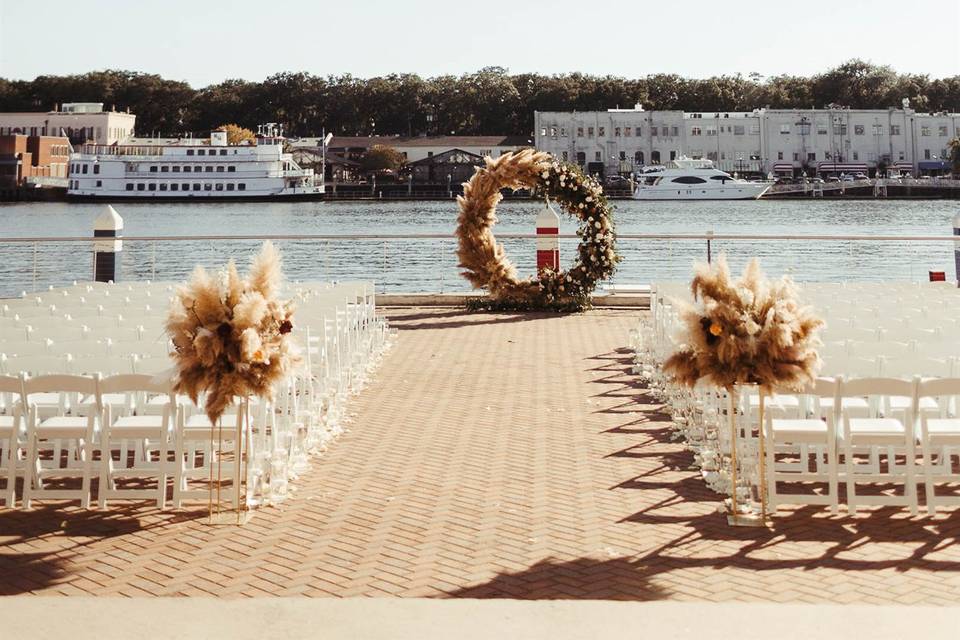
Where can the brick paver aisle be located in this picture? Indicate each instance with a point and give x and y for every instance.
(493, 455)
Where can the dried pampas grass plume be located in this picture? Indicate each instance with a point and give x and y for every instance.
(232, 335)
(751, 331)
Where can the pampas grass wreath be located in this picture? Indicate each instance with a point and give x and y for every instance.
(232, 335)
(751, 331)
(484, 261)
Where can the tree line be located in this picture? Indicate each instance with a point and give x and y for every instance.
(491, 101)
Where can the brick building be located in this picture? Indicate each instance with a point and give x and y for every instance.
(23, 157)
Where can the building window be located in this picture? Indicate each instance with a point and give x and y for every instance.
(187, 169)
(900, 157)
(96, 169)
(153, 169)
(627, 132)
(579, 132)
(858, 129)
(623, 156)
(943, 129)
(638, 158)
(673, 155)
(811, 156)
(653, 131)
(141, 186)
(175, 186)
(894, 129)
(878, 129)
(839, 129)
(563, 134)
(201, 152)
(543, 132)
(99, 183)
(231, 169)
(856, 155)
(589, 132)
(738, 129)
(695, 131)
(654, 157)
(784, 129)
(674, 131)
(616, 132)
(129, 186)
(207, 186)
(796, 156)
(176, 169)
(242, 186)
(924, 131)
(220, 169)
(189, 152)
(779, 155)
(84, 168)
(597, 157)
(711, 131)
(196, 186)
(197, 169)
(711, 155)
(553, 132)
(926, 154)
(163, 186)
(230, 187)
(601, 132)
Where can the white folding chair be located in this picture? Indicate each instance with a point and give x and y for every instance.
(793, 437)
(50, 434)
(940, 439)
(11, 430)
(146, 437)
(884, 431)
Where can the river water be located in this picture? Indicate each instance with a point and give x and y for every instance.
(430, 265)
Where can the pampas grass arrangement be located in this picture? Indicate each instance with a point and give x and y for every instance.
(751, 331)
(232, 335)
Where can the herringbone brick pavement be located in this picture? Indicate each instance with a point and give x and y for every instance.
(493, 456)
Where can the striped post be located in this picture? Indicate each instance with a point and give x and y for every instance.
(956, 246)
(106, 252)
(548, 239)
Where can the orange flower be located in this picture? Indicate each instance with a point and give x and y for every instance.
(716, 330)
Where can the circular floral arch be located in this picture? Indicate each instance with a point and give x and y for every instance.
(483, 259)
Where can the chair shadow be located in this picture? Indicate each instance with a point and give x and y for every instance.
(420, 321)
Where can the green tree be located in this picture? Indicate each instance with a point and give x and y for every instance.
(381, 157)
(954, 147)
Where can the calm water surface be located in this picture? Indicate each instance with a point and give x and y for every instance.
(430, 265)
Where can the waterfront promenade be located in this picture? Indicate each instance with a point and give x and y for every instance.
(493, 455)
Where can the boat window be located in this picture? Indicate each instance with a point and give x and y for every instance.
(187, 169)
(164, 169)
(189, 152)
(208, 169)
(230, 186)
(219, 169)
(153, 169)
(231, 169)
(223, 152)
(207, 186)
(196, 186)
(201, 152)
(242, 187)
(219, 186)
(163, 186)
(141, 186)
(174, 187)
(129, 186)
(153, 186)
(721, 178)
(176, 169)
(689, 180)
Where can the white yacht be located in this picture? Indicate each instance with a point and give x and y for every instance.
(694, 179)
(191, 169)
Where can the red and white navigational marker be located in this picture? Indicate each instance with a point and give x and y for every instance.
(548, 239)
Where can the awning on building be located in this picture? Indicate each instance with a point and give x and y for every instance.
(903, 165)
(838, 167)
(933, 165)
(782, 167)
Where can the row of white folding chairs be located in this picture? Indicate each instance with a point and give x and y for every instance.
(870, 418)
(892, 349)
(83, 348)
(68, 364)
(135, 440)
(59, 332)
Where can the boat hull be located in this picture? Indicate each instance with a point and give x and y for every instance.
(736, 192)
(196, 199)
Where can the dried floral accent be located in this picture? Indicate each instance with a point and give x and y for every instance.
(232, 335)
(484, 260)
(748, 331)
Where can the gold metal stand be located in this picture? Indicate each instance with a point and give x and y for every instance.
(734, 517)
(240, 513)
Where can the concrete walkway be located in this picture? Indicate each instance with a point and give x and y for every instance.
(420, 619)
(494, 456)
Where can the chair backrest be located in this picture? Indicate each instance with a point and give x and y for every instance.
(62, 383)
(133, 382)
(36, 365)
(103, 365)
(25, 348)
(907, 367)
(874, 349)
(936, 387)
(10, 384)
(873, 387)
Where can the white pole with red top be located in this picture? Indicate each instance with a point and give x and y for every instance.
(548, 239)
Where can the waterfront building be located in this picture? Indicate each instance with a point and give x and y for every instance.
(35, 159)
(763, 141)
(80, 122)
(190, 168)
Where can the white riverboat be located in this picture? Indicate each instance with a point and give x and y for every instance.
(694, 179)
(191, 169)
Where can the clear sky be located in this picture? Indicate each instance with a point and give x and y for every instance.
(203, 42)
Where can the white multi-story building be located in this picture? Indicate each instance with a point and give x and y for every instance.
(785, 141)
(81, 122)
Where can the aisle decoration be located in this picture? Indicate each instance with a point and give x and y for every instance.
(232, 335)
(752, 331)
(484, 261)
(749, 332)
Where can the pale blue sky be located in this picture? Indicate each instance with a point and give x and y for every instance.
(204, 42)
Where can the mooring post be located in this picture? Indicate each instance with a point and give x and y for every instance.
(106, 251)
(548, 239)
(956, 246)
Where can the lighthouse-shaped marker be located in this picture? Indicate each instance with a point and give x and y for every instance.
(548, 239)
